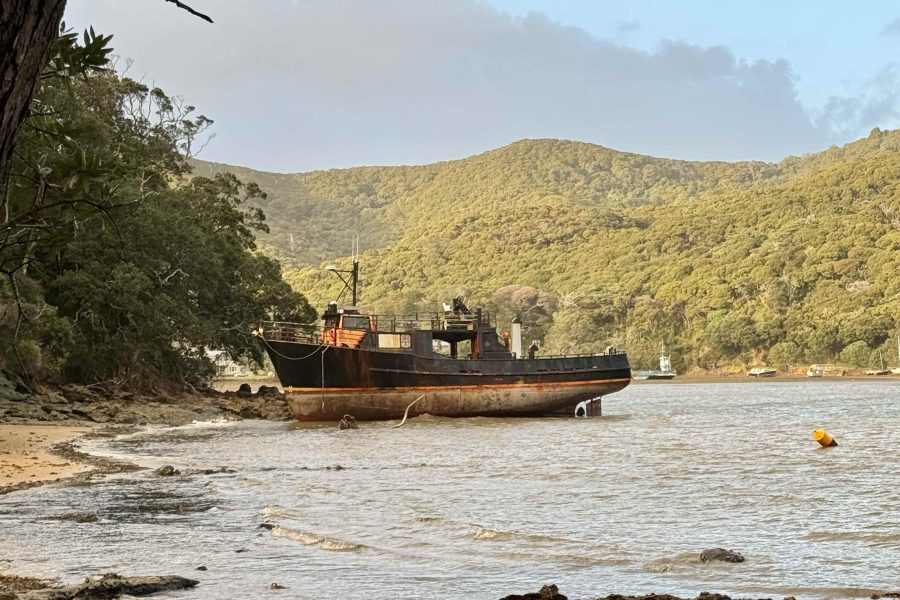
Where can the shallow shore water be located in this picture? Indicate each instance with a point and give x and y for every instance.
(481, 508)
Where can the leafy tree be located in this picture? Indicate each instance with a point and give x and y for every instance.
(126, 268)
(784, 354)
(857, 354)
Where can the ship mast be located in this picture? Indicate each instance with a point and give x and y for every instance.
(352, 272)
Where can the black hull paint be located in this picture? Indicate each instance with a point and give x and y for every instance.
(379, 384)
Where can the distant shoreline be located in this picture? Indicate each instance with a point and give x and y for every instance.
(230, 385)
(743, 378)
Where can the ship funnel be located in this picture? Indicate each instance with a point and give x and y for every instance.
(517, 338)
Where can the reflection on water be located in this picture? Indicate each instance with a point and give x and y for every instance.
(480, 508)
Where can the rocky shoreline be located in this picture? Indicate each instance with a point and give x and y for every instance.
(95, 412)
(86, 404)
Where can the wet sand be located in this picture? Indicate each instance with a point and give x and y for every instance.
(26, 458)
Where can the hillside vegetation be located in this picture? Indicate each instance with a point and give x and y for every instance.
(785, 264)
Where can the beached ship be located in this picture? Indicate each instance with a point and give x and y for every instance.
(828, 370)
(665, 369)
(896, 370)
(882, 370)
(761, 372)
(451, 363)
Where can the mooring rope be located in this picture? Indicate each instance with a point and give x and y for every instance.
(269, 346)
(406, 413)
(323, 378)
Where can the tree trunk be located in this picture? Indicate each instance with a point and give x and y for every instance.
(27, 31)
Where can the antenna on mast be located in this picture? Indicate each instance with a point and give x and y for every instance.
(353, 272)
(355, 275)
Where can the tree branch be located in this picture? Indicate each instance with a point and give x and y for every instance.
(190, 10)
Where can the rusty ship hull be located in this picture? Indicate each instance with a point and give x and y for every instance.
(326, 382)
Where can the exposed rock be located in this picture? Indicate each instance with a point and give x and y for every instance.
(269, 526)
(79, 393)
(721, 554)
(76, 517)
(97, 405)
(10, 585)
(200, 568)
(113, 586)
(547, 592)
(348, 422)
(244, 390)
(167, 471)
(208, 471)
(647, 597)
(10, 389)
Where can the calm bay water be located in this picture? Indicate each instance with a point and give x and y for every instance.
(480, 508)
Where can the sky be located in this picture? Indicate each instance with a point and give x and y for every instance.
(298, 85)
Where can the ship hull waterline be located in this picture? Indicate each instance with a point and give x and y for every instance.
(503, 400)
(324, 384)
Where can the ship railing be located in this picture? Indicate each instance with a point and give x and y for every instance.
(435, 321)
(609, 352)
(277, 331)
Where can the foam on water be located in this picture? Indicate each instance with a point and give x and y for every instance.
(312, 539)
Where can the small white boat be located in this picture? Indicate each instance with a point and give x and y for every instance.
(825, 371)
(761, 372)
(665, 369)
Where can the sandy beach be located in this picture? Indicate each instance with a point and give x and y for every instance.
(25, 456)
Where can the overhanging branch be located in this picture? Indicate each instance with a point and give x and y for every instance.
(190, 10)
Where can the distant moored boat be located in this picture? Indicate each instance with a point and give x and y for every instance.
(825, 371)
(761, 372)
(665, 369)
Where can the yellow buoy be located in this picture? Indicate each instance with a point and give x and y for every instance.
(825, 440)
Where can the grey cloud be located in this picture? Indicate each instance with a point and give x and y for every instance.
(625, 27)
(876, 104)
(318, 84)
(892, 28)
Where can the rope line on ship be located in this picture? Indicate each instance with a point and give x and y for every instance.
(284, 356)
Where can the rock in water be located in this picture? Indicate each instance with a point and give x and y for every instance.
(348, 422)
(113, 586)
(547, 592)
(722, 555)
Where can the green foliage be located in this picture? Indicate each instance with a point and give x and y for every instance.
(723, 262)
(783, 354)
(119, 267)
(857, 354)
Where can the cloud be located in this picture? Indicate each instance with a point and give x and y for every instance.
(626, 27)
(296, 85)
(892, 28)
(877, 102)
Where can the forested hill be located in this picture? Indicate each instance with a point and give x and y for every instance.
(750, 262)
